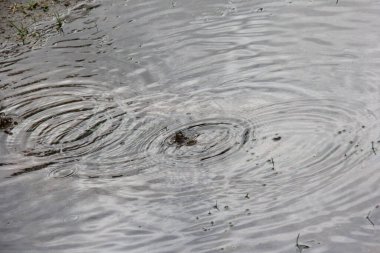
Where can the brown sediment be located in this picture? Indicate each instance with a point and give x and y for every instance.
(180, 139)
(7, 123)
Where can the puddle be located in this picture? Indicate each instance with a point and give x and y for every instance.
(193, 126)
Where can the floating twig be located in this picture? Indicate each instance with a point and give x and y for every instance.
(373, 148)
(369, 218)
(216, 206)
(301, 247)
(272, 161)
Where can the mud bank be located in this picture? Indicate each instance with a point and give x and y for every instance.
(29, 23)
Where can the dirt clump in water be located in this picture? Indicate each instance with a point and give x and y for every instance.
(7, 123)
(181, 139)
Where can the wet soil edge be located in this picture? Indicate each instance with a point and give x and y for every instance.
(18, 20)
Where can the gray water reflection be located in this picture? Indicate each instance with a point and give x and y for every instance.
(280, 98)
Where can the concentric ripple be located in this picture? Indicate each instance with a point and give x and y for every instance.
(57, 124)
(64, 123)
(314, 134)
(312, 140)
(204, 140)
(63, 172)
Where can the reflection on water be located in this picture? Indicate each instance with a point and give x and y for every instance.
(193, 126)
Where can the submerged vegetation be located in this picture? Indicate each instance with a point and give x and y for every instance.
(58, 22)
(22, 31)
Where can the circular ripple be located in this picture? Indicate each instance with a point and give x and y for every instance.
(63, 122)
(73, 127)
(128, 154)
(307, 162)
(63, 172)
(313, 135)
(202, 141)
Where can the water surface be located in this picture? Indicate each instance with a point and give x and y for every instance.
(280, 100)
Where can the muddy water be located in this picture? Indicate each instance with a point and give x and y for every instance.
(195, 126)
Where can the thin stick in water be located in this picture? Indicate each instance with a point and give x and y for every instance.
(369, 218)
(300, 247)
(373, 148)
